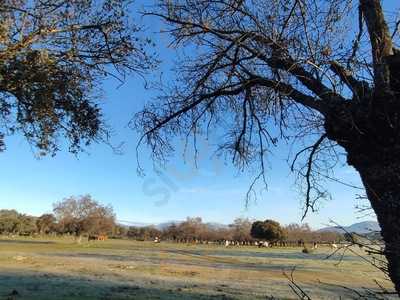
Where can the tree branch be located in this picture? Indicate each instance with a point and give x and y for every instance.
(310, 161)
(381, 41)
(359, 88)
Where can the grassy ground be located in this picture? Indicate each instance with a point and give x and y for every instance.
(60, 269)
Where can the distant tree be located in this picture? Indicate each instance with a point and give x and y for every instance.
(46, 223)
(296, 232)
(27, 225)
(268, 230)
(12, 222)
(223, 234)
(172, 232)
(329, 236)
(133, 232)
(151, 232)
(192, 229)
(9, 221)
(241, 229)
(53, 57)
(120, 231)
(83, 215)
(143, 233)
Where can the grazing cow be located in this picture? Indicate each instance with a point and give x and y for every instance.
(101, 237)
(92, 237)
(333, 246)
(227, 243)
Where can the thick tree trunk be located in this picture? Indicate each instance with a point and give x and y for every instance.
(382, 183)
(370, 134)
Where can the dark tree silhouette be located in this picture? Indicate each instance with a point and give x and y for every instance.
(268, 230)
(262, 70)
(53, 55)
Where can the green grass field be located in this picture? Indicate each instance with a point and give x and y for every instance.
(33, 268)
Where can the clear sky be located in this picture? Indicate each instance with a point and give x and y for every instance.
(215, 191)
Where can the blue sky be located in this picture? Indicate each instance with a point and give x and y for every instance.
(215, 191)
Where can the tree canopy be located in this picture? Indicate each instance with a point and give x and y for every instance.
(54, 56)
(46, 223)
(268, 230)
(12, 222)
(83, 215)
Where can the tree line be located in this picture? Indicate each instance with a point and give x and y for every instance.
(76, 216)
(242, 231)
(84, 216)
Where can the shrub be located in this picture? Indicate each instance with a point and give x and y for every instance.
(307, 250)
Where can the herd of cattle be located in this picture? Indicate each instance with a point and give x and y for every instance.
(260, 244)
(228, 243)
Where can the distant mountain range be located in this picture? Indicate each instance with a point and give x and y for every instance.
(161, 226)
(365, 227)
(164, 225)
(212, 225)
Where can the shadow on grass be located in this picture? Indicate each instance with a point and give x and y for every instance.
(189, 260)
(42, 286)
(282, 254)
(33, 242)
(46, 286)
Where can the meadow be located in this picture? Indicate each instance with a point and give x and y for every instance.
(36, 268)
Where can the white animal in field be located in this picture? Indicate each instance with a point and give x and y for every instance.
(333, 246)
(263, 244)
(226, 243)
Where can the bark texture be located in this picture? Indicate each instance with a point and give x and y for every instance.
(382, 182)
(369, 130)
(371, 138)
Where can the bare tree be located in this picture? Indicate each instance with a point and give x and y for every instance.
(53, 55)
(260, 71)
(241, 229)
(83, 215)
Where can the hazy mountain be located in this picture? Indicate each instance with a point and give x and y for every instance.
(215, 225)
(366, 227)
(360, 228)
(161, 226)
(134, 224)
(164, 225)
